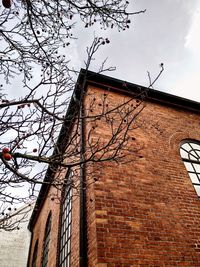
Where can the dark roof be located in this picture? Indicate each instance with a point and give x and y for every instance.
(124, 87)
(108, 83)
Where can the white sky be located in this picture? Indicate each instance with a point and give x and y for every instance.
(168, 32)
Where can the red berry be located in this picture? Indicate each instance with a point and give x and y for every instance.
(6, 3)
(7, 156)
(6, 150)
(35, 150)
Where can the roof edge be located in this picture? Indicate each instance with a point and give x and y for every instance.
(153, 95)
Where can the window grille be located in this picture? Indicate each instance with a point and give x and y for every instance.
(35, 254)
(46, 241)
(190, 153)
(66, 221)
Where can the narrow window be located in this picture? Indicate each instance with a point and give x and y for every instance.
(35, 254)
(46, 241)
(66, 219)
(190, 153)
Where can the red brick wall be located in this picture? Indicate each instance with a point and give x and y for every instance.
(145, 212)
(39, 229)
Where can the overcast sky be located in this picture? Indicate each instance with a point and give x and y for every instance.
(168, 32)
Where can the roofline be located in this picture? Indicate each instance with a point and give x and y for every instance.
(152, 95)
(86, 78)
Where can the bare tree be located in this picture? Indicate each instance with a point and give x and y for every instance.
(35, 37)
(12, 217)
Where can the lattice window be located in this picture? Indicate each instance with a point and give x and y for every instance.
(46, 241)
(190, 153)
(66, 220)
(34, 260)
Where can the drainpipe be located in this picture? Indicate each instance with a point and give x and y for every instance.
(83, 222)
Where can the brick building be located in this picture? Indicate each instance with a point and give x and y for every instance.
(141, 210)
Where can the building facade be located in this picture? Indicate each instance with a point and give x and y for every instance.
(138, 203)
(14, 244)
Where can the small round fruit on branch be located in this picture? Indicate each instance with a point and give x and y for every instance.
(7, 156)
(6, 3)
(6, 150)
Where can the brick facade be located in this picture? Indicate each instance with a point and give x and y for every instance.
(39, 230)
(52, 204)
(146, 212)
(140, 213)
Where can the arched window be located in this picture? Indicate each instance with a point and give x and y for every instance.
(190, 153)
(35, 254)
(66, 220)
(46, 241)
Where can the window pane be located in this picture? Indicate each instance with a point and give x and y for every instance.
(196, 167)
(186, 146)
(68, 262)
(188, 166)
(193, 156)
(46, 241)
(184, 154)
(194, 178)
(195, 146)
(65, 237)
(197, 188)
